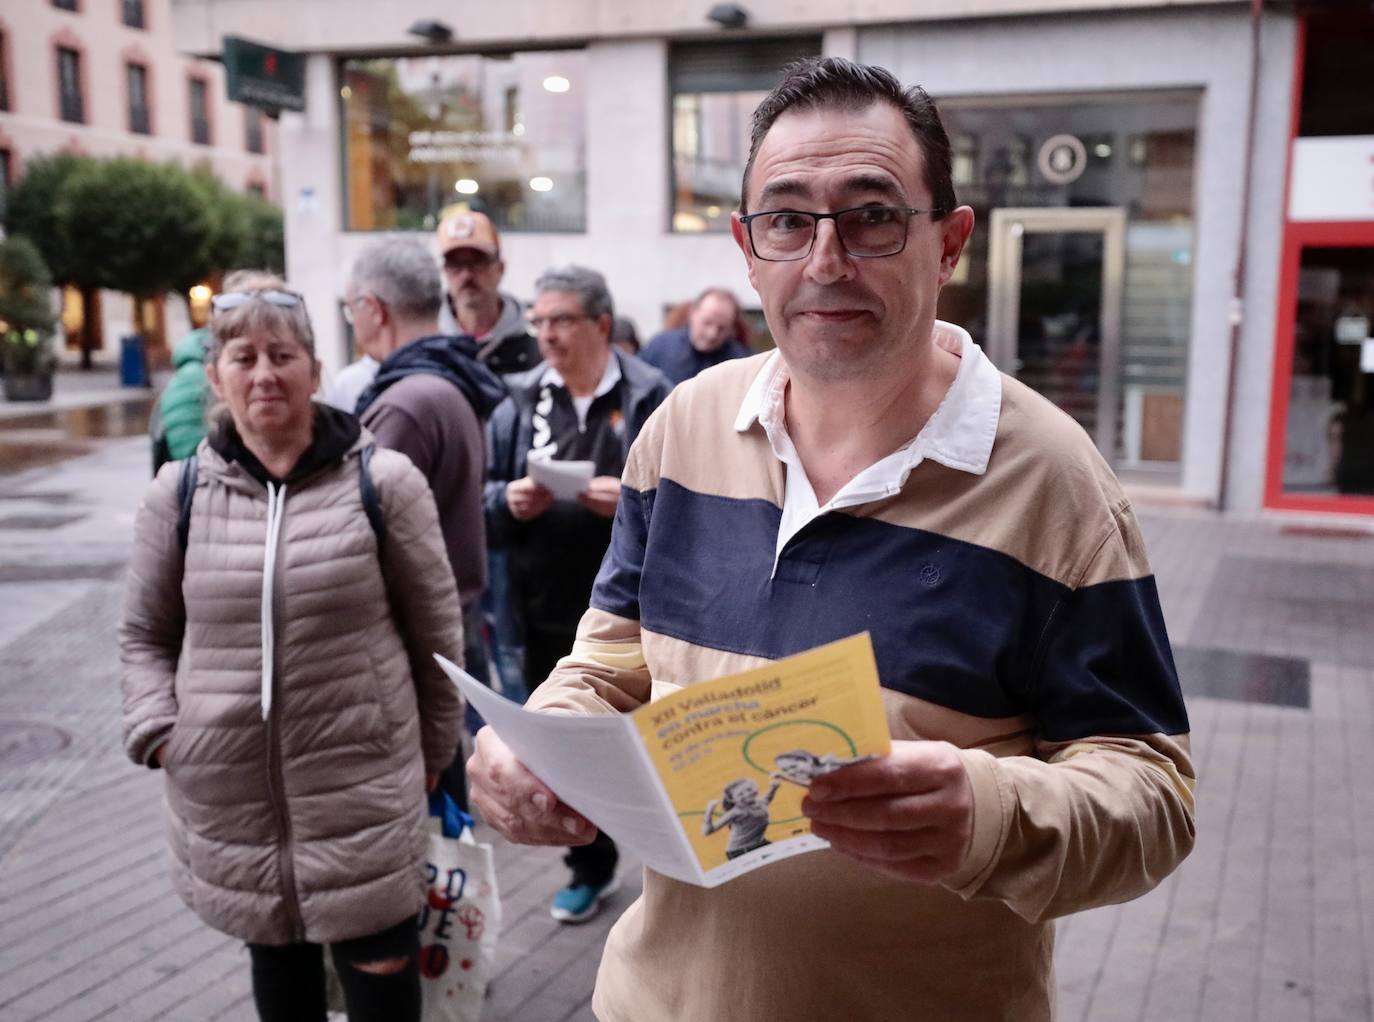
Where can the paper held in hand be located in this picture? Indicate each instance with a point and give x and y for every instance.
(564, 479)
(706, 783)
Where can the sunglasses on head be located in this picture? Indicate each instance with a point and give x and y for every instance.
(235, 299)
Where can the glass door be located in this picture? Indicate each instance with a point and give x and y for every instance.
(1054, 309)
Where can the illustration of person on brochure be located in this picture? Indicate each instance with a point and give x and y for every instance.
(745, 812)
(802, 767)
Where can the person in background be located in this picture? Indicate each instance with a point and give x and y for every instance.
(430, 400)
(585, 402)
(349, 382)
(278, 666)
(711, 336)
(624, 335)
(179, 425)
(471, 252)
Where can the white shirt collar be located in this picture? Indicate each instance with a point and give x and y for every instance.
(959, 435)
(609, 378)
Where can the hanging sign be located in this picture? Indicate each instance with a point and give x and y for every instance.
(263, 77)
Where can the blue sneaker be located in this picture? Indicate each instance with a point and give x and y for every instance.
(578, 902)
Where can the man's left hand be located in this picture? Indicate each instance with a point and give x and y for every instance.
(601, 496)
(909, 813)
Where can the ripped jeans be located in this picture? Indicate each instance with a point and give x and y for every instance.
(288, 981)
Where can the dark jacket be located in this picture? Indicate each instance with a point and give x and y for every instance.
(451, 357)
(671, 352)
(508, 347)
(553, 559)
(428, 401)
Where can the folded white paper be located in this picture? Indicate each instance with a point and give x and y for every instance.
(564, 479)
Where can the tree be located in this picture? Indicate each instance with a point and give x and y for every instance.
(31, 211)
(134, 226)
(265, 235)
(138, 227)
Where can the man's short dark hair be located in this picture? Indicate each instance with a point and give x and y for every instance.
(834, 83)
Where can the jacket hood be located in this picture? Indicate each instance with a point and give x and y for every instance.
(511, 321)
(452, 358)
(641, 380)
(335, 434)
(190, 349)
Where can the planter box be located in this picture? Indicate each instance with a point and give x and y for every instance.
(27, 386)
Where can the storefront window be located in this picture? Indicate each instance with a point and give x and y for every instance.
(715, 87)
(1130, 152)
(505, 135)
(1329, 441)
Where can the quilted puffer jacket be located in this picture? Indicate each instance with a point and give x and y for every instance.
(288, 670)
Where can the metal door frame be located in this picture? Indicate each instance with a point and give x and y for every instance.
(1004, 293)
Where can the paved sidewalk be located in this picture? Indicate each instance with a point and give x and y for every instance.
(1271, 918)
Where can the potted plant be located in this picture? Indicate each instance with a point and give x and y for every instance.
(26, 322)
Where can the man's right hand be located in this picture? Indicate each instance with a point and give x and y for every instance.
(517, 804)
(526, 499)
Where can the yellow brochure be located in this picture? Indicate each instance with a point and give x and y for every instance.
(706, 783)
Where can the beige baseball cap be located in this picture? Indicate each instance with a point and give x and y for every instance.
(466, 229)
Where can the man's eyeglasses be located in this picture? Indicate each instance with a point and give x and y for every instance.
(558, 321)
(866, 232)
(469, 261)
(228, 300)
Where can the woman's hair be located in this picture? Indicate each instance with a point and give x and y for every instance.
(737, 791)
(258, 316)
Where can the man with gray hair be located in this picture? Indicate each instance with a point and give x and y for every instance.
(428, 400)
(584, 402)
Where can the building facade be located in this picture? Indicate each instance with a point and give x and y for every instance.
(1138, 255)
(105, 78)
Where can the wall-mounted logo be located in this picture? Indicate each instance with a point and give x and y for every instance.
(1062, 159)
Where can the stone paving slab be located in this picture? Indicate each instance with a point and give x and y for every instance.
(1272, 917)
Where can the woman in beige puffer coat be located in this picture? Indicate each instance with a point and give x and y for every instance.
(280, 669)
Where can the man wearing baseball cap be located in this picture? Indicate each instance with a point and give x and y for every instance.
(471, 251)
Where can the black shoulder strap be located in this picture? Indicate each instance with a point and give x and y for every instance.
(372, 501)
(186, 493)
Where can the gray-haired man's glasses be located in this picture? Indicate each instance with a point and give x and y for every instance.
(866, 232)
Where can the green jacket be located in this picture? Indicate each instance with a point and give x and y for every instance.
(182, 404)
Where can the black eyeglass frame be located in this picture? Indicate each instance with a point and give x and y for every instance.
(816, 218)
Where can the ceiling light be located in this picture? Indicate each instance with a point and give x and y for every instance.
(541, 184)
(728, 15)
(517, 129)
(465, 186)
(432, 30)
(556, 83)
(1102, 149)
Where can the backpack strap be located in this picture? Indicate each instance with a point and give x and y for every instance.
(372, 500)
(186, 494)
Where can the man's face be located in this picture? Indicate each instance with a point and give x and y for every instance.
(367, 321)
(711, 323)
(471, 275)
(835, 317)
(569, 340)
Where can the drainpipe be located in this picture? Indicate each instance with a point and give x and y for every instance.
(1237, 315)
